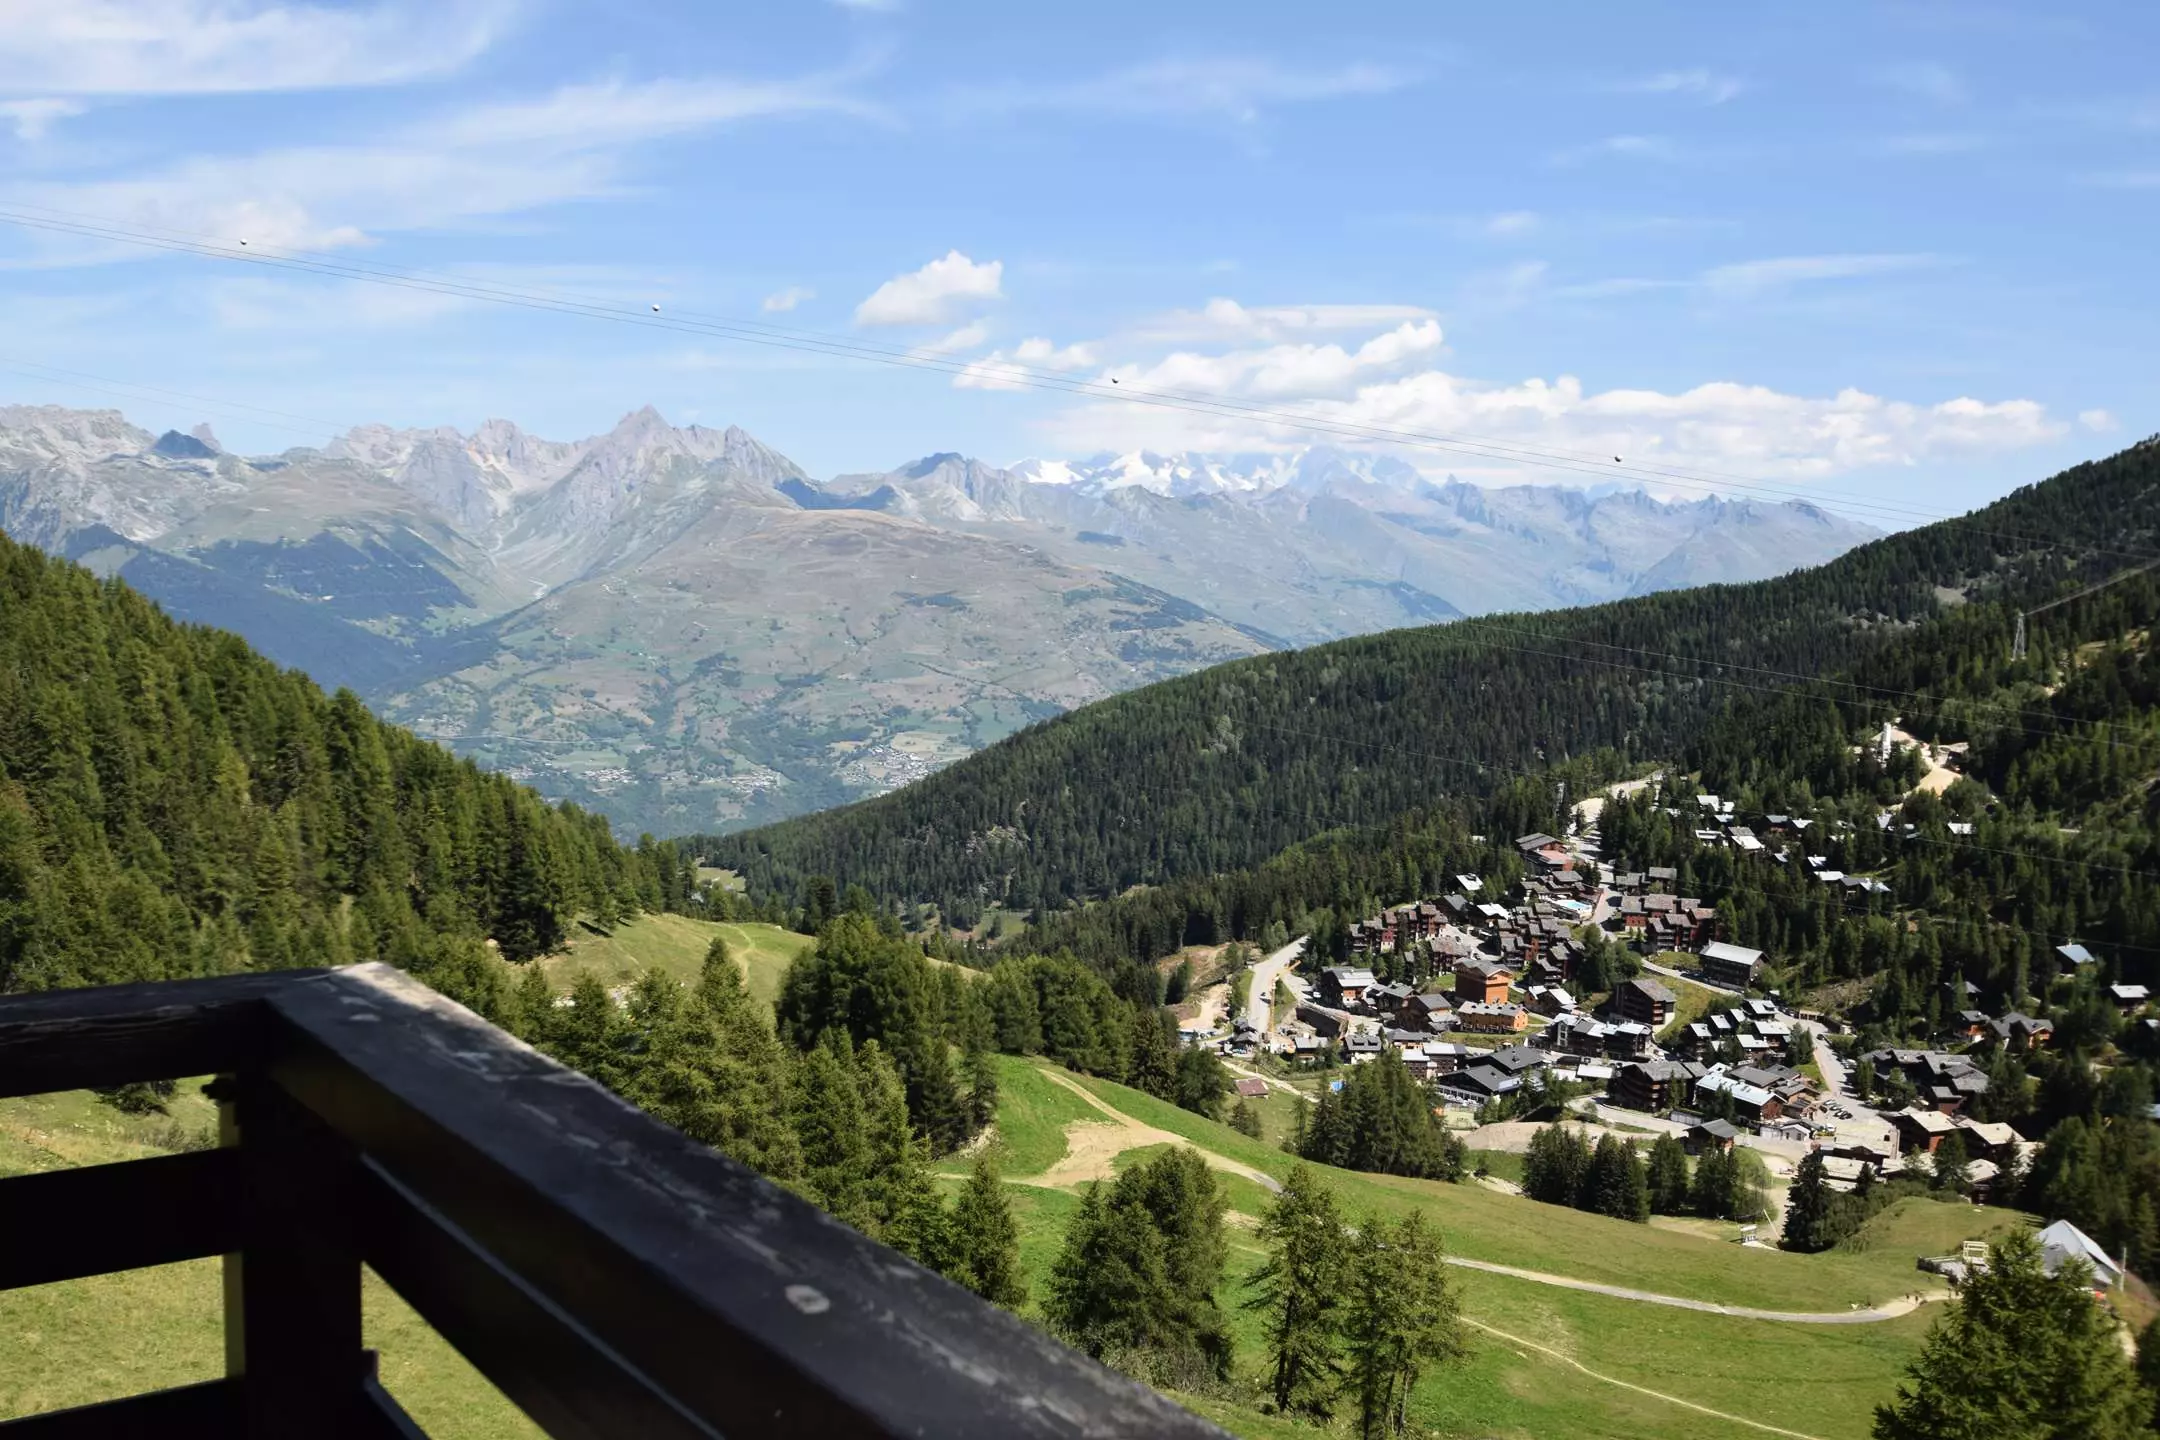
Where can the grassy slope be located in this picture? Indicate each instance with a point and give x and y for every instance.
(676, 944)
(66, 1349)
(1508, 1389)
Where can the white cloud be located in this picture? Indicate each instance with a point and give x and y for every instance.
(2098, 421)
(1749, 277)
(1000, 370)
(782, 301)
(1925, 79)
(32, 118)
(1287, 371)
(877, 6)
(1698, 84)
(1512, 222)
(483, 161)
(175, 47)
(1225, 319)
(967, 337)
(1235, 88)
(933, 294)
(1392, 382)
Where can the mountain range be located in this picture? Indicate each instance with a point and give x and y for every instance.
(680, 628)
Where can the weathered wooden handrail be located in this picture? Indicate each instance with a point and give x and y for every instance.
(610, 1276)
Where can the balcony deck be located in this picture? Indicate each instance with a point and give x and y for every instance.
(610, 1276)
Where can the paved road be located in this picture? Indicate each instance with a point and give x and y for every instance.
(1867, 1123)
(1903, 1305)
(1265, 973)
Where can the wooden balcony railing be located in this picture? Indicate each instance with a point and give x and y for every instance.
(610, 1276)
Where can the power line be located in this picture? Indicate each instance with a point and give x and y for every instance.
(1012, 372)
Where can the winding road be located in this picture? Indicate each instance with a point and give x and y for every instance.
(1265, 973)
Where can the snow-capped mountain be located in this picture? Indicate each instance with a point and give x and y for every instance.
(679, 627)
(1189, 473)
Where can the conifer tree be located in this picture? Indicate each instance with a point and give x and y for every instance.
(589, 1029)
(1154, 1064)
(2022, 1355)
(2148, 1367)
(1108, 1290)
(986, 1241)
(1952, 1167)
(1717, 1179)
(982, 1087)
(831, 1125)
(1135, 1279)
(1327, 1136)
(1201, 1082)
(1401, 1316)
(1668, 1178)
(1244, 1119)
(1298, 1293)
(1808, 1206)
(910, 1217)
(1556, 1165)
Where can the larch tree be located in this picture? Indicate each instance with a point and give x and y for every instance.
(1298, 1294)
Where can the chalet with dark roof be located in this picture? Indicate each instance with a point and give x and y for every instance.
(1646, 1001)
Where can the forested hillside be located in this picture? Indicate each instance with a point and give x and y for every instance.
(1221, 770)
(172, 804)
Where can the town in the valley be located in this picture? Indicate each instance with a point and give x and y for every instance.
(1481, 994)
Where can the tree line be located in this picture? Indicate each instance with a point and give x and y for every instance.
(172, 804)
(1613, 1177)
(845, 1109)
(1355, 1315)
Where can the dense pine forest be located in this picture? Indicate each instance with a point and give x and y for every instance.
(172, 804)
(1222, 770)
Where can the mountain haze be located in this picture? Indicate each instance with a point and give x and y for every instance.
(680, 628)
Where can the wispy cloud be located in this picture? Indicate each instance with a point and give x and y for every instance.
(1512, 222)
(482, 161)
(32, 118)
(1632, 147)
(1224, 319)
(2097, 421)
(1924, 79)
(179, 47)
(1239, 89)
(1703, 85)
(1752, 277)
(934, 294)
(782, 301)
(2123, 179)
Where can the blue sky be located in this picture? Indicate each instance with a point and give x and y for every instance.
(1894, 251)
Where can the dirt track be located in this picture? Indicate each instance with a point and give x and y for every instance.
(1092, 1146)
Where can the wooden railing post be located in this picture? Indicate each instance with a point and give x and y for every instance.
(292, 1294)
